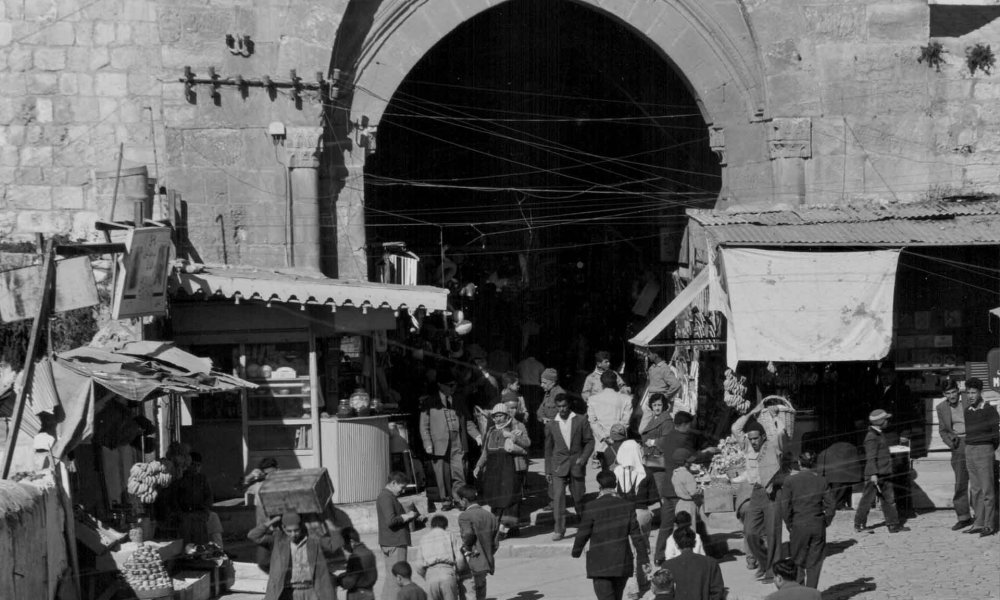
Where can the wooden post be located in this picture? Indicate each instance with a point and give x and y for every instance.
(41, 323)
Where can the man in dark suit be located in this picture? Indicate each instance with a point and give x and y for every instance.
(478, 529)
(444, 424)
(806, 506)
(878, 470)
(951, 427)
(608, 523)
(568, 444)
(297, 559)
(696, 577)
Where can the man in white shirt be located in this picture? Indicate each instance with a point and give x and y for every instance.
(568, 445)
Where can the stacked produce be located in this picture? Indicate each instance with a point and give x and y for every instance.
(145, 480)
(729, 460)
(735, 391)
(144, 570)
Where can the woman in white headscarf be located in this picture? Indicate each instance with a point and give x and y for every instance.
(496, 469)
(635, 486)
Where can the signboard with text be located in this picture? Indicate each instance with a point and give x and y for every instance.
(141, 282)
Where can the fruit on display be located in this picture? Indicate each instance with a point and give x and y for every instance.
(145, 480)
(735, 387)
(729, 460)
(144, 570)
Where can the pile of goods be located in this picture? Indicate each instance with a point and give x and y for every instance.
(145, 480)
(729, 461)
(735, 392)
(145, 572)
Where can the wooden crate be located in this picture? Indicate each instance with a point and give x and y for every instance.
(192, 585)
(719, 498)
(301, 491)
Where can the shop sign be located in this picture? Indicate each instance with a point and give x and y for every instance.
(21, 289)
(141, 282)
(992, 369)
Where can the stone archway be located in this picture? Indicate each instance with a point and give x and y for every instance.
(712, 45)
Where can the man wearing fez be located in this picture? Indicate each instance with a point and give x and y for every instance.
(444, 423)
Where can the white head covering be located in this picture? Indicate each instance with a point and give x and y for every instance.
(630, 471)
(500, 408)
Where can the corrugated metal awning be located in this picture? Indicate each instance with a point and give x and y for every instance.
(917, 224)
(673, 310)
(297, 288)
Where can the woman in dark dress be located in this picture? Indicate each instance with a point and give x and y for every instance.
(656, 421)
(496, 468)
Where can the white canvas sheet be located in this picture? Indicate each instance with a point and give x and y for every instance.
(804, 306)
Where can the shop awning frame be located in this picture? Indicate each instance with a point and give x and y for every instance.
(305, 289)
(673, 310)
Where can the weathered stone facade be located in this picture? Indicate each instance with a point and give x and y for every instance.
(806, 102)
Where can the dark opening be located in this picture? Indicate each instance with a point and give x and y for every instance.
(554, 151)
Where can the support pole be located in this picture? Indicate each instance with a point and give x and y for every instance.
(41, 321)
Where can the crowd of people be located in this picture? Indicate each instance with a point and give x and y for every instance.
(645, 454)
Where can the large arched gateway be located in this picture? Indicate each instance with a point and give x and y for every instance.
(544, 145)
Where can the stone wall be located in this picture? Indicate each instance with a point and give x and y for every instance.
(846, 113)
(33, 554)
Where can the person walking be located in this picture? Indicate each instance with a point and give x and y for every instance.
(441, 560)
(605, 409)
(592, 384)
(696, 577)
(551, 390)
(878, 470)
(635, 486)
(393, 528)
(568, 444)
(496, 467)
(607, 524)
(298, 569)
(807, 508)
(660, 378)
(479, 531)
(982, 437)
(679, 437)
(362, 572)
(951, 427)
(444, 425)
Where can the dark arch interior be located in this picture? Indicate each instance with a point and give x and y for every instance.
(554, 151)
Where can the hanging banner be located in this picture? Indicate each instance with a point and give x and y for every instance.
(21, 289)
(805, 306)
(141, 281)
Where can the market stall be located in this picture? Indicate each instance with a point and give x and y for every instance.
(315, 348)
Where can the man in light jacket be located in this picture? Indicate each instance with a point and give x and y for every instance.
(605, 409)
(951, 427)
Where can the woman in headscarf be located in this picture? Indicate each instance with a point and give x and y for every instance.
(496, 469)
(635, 486)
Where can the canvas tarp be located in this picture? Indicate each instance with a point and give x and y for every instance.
(804, 306)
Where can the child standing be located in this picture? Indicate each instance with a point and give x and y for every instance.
(403, 572)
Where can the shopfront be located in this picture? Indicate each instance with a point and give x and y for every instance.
(313, 346)
(937, 286)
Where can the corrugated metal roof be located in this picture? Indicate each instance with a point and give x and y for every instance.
(848, 213)
(957, 231)
(915, 224)
(299, 288)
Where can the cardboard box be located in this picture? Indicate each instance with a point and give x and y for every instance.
(192, 585)
(296, 490)
(719, 498)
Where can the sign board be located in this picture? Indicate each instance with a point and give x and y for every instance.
(992, 370)
(141, 282)
(21, 289)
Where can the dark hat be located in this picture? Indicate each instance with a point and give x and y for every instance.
(618, 432)
(550, 375)
(950, 385)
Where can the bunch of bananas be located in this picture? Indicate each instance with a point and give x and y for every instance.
(145, 480)
(735, 391)
(144, 570)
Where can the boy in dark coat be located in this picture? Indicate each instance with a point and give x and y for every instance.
(878, 470)
(696, 577)
(607, 523)
(362, 571)
(478, 529)
(807, 508)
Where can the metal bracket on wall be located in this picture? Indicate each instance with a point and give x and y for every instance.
(329, 89)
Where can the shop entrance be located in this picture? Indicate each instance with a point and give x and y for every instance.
(549, 151)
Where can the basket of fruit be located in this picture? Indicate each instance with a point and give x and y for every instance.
(145, 573)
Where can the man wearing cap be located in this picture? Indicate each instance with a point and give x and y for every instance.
(605, 409)
(982, 437)
(444, 424)
(551, 388)
(592, 384)
(298, 568)
(951, 427)
(878, 470)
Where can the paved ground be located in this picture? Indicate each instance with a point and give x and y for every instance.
(928, 563)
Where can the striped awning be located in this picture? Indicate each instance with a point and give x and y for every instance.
(305, 289)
